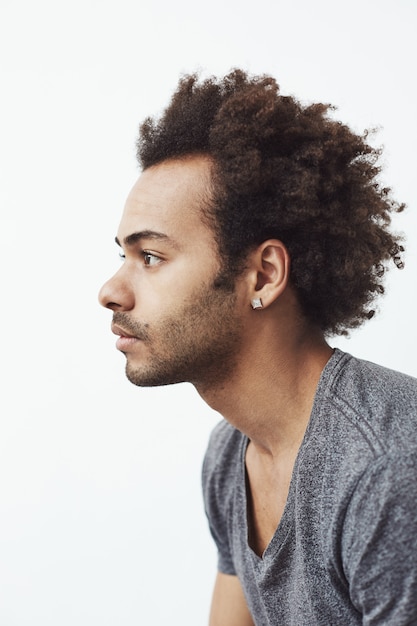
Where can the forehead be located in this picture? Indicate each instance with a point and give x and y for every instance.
(168, 198)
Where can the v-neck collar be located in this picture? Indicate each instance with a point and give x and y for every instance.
(286, 523)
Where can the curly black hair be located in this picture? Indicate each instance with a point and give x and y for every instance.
(288, 171)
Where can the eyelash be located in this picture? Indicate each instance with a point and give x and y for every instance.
(149, 254)
(144, 254)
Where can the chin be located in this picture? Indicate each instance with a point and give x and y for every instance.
(142, 377)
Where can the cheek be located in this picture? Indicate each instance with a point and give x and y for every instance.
(174, 283)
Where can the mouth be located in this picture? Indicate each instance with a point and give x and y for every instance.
(125, 339)
(121, 332)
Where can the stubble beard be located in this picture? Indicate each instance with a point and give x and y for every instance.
(198, 343)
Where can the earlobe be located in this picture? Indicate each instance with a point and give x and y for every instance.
(256, 303)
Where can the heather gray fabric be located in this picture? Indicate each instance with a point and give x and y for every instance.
(345, 551)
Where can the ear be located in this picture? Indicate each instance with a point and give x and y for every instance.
(269, 272)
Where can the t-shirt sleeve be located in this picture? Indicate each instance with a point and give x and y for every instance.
(380, 543)
(217, 480)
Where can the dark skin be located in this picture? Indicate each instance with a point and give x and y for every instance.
(269, 398)
(274, 361)
(293, 212)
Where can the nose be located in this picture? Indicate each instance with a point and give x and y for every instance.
(117, 294)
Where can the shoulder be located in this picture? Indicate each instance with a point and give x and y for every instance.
(379, 402)
(222, 465)
(364, 424)
(223, 451)
(374, 381)
(223, 472)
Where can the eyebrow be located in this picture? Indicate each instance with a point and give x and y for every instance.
(130, 240)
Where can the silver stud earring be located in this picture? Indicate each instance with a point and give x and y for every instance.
(256, 303)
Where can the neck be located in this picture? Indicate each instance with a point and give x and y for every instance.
(270, 394)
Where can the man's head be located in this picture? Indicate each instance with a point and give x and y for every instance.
(290, 172)
(245, 194)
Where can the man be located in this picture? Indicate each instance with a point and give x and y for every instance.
(256, 230)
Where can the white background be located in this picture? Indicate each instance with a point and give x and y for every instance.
(101, 517)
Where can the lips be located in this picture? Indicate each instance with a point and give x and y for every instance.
(118, 330)
(126, 340)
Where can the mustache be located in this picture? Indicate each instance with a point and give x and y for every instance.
(133, 327)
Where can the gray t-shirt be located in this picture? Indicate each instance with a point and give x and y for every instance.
(345, 551)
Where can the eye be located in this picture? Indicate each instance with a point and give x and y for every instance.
(150, 259)
(122, 256)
